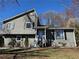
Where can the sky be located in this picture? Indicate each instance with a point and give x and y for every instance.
(11, 8)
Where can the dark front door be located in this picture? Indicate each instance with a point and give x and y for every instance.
(49, 37)
(1, 42)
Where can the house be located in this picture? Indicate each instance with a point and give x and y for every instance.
(23, 31)
(19, 28)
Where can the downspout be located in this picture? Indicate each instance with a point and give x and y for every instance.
(45, 37)
(4, 40)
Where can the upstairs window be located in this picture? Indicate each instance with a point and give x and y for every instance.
(10, 26)
(28, 25)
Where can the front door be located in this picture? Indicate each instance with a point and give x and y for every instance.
(49, 37)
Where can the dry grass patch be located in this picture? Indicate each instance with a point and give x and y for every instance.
(48, 54)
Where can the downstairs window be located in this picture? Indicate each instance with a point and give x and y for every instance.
(59, 34)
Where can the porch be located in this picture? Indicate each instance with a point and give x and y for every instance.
(56, 37)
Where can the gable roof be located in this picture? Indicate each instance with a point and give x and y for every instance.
(19, 15)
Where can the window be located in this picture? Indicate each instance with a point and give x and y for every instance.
(59, 34)
(28, 25)
(18, 37)
(10, 26)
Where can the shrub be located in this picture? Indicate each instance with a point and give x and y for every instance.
(63, 43)
(12, 42)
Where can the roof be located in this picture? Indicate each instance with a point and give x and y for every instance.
(43, 27)
(62, 28)
(19, 15)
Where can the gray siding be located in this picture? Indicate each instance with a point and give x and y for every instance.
(19, 27)
(70, 42)
(71, 39)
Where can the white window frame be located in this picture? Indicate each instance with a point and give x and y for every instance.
(63, 37)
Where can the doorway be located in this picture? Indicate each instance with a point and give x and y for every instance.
(50, 37)
(41, 37)
(1, 41)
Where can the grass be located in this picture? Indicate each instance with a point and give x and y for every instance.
(48, 54)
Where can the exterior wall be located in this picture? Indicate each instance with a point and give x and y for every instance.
(71, 39)
(32, 42)
(70, 42)
(19, 26)
(6, 42)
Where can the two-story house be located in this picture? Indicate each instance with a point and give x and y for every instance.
(20, 28)
(23, 30)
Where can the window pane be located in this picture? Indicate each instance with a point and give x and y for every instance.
(12, 26)
(28, 25)
(18, 38)
(59, 34)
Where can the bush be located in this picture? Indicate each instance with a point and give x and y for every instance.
(12, 43)
(18, 44)
(63, 44)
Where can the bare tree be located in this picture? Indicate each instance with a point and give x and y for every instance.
(73, 10)
(54, 18)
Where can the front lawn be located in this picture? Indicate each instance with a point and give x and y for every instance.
(49, 53)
